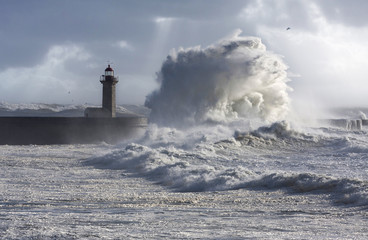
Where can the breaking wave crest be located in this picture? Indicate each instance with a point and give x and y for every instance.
(196, 171)
(235, 78)
(345, 191)
(281, 134)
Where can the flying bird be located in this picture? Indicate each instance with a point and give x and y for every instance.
(288, 28)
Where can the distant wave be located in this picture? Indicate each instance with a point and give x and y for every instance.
(283, 135)
(61, 110)
(4, 106)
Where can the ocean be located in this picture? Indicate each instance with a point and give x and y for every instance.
(237, 180)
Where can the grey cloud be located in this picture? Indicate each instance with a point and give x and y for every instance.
(352, 12)
(29, 29)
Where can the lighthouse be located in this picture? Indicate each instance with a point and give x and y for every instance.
(109, 91)
(108, 110)
(98, 124)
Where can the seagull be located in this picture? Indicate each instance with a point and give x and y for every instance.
(288, 28)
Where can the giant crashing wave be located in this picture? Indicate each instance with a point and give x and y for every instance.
(236, 78)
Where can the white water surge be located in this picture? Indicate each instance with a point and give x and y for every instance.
(234, 78)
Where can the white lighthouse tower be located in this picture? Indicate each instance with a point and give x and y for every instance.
(108, 109)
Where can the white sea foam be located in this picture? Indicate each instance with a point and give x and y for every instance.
(176, 169)
(346, 191)
(234, 78)
(362, 115)
(64, 199)
(185, 161)
(4, 106)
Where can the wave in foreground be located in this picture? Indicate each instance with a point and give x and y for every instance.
(209, 167)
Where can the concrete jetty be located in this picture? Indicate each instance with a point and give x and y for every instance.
(68, 130)
(348, 124)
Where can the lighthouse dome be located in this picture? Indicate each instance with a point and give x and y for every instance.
(109, 71)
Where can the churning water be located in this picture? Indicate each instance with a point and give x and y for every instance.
(204, 182)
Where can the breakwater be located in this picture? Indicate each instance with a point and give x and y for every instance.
(68, 130)
(348, 124)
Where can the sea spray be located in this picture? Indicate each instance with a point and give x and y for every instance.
(234, 78)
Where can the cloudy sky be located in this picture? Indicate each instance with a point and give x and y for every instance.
(55, 51)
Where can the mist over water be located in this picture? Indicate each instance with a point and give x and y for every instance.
(232, 79)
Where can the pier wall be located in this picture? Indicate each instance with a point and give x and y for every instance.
(68, 130)
(348, 124)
